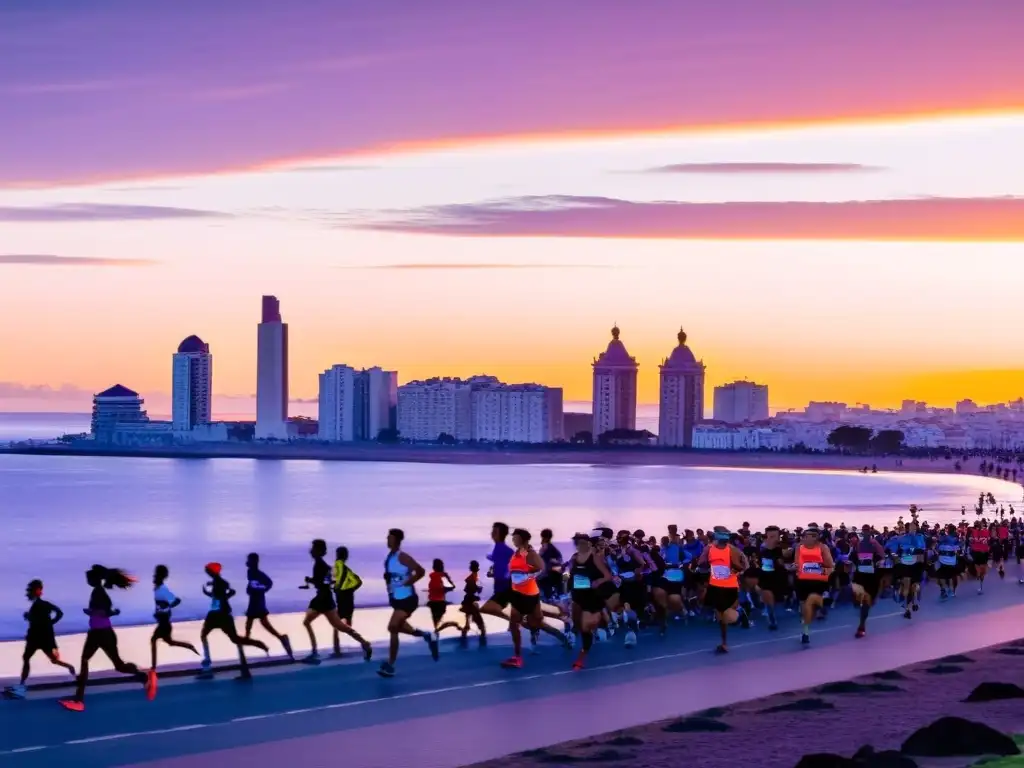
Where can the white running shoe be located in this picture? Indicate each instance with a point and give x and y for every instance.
(630, 641)
(601, 635)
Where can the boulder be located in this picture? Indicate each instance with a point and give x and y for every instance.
(624, 741)
(957, 658)
(943, 669)
(867, 757)
(849, 686)
(696, 725)
(956, 737)
(801, 705)
(826, 760)
(892, 674)
(995, 692)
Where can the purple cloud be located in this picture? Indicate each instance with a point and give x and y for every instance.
(924, 219)
(49, 260)
(756, 168)
(100, 212)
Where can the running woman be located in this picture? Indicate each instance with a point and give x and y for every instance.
(219, 617)
(586, 573)
(813, 564)
(401, 572)
(439, 584)
(629, 575)
(346, 584)
(256, 587)
(866, 554)
(41, 616)
(948, 559)
(322, 604)
(166, 601)
(101, 636)
(470, 604)
(725, 562)
(524, 567)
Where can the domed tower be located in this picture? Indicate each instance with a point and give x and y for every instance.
(681, 405)
(614, 388)
(191, 385)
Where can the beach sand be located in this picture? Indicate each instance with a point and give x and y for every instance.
(881, 710)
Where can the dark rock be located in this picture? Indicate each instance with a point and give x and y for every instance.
(604, 756)
(826, 760)
(801, 705)
(943, 669)
(955, 737)
(867, 757)
(892, 674)
(957, 658)
(1011, 651)
(713, 712)
(848, 686)
(696, 725)
(624, 741)
(995, 692)
(533, 753)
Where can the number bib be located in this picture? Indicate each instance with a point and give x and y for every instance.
(720, 572)
(812, 569)
(675, 575)
(866, 567)
(627, 574)
(520, 578)
(908, 559)
(767, 566)
(580, 581)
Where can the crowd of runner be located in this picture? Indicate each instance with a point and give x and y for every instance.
(612, 584)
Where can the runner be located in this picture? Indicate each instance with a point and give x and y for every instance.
(948, 552)
(910, 569)
(219, 617)
(813, 563)
(772, 579)
(470, 605)
(439, 584)
(41, 617)
(101, 635)
(629, 570)
(524, 566)
(551, 583)
(978, 544)
(322, 604)
(725, 562)
(867, 554)
(401, 572)
(166, 601)
(257, 586)
(346, 583)
(586, 574)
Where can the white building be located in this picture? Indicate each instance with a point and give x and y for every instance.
(681, 404)
(614, 399)
(435, 407)
(356, 405)
(191, 385)
(741, 402)
(271, 373)
(721, 437)
(517, 413)
(114, 407)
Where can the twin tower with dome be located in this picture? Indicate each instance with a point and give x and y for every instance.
(681, 401)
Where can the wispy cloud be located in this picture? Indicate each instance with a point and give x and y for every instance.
(340, 168)
(757, 168)
(240, 92)
(68, 87)
(475, 265)
(994, 219)
(100, 212)
(15, 391)
(50, 260)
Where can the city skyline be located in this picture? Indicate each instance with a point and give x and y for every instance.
(817, 214)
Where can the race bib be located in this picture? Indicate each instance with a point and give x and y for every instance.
(627, 574)
(674, 575)
(866, 568)
(215, 605)
(768, 566)
(520, 578)
(720, 572)
(813, 569)
(947, 559)
(908, 559)
(579, 581)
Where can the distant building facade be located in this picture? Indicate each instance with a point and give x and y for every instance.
(356, 405)
(191, 385)
(271, 373)
(614, 394)
(114, 407)
(741, 402)
(681, 401)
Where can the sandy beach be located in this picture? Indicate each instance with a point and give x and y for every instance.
(880, 710)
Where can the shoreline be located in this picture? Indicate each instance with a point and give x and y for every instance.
(488, 455)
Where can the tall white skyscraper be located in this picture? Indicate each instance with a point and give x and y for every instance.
(191, 385)
(356, 405)
(681, 405)
(272, 373)
(740, 402)
(614, 405)
(376, 401)
(337, 411)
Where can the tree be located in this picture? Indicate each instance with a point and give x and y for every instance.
(887, 441)
(850, 438)
(445, 439)
(388, 435)
(584, 437)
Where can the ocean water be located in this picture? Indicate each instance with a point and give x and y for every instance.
(15, 427)
(60, 514)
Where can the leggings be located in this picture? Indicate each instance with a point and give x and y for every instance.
(103, 640)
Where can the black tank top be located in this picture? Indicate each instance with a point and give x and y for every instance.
(583, 575)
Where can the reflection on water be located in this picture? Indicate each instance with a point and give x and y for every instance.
(61, 514)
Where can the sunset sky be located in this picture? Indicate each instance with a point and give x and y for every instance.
(828, 197)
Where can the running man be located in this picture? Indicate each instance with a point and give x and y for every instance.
(946, 574)
(910, 570)
(41, 617)
(219, 617)
(165, 602)
(867, 554)
(978, 543)
(401, 572)
(725, 562)
(322, 604)
(257, 586)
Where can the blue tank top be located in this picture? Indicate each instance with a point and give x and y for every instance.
(395, 574)
(672, 555)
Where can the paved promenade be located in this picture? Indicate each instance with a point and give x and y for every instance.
(464, 709)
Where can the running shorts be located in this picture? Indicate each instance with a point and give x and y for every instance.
(524, 605)
(721, 599)
(346, 600)
(807, 587)
(913, 572)
(502, 598)
(218, 620)
(869, 582)
(979, 558)
(946, 572)
(322, 602)
(406, 605)
(41, 641)
(163, 627)
(776, 583)
(634, 593)
(608, 590)
(588, 600)
(438, 608)
(673, 587)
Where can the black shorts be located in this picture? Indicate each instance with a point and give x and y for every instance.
(43, 641)
(673, 587)
(438, 608)
(869, 582)
(256, 611)
(700, 577)
(219, 620)
(947, 572)
(406, 605)
(588, 600)
(913, 572)
(322, 602)
(524, 605)
(346, 600)
(163, 630)
(979, 558)
(634, 593)
(607, 591)
(775, 583)
(502, 599)
(721, 599)
(807, 587)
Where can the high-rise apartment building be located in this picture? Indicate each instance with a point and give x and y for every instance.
(191, 385)
(614, 401)
(435, 407)
(356, 405)
(681, 404)
(741, 402)
(271, 373)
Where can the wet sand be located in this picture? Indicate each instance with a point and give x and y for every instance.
(775, 732)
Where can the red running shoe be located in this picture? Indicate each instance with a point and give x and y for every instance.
(578, 664)
(514, 662)
(861, 633)
(74, 705)
(151, 685)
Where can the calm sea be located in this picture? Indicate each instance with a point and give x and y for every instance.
(61, 514)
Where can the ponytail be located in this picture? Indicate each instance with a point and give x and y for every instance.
(115, 577)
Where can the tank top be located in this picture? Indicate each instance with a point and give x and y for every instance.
(1004, 532)
(866, 557)
(672, 554)
(810, 565)
(583, 575)
(627, 568)
(523, 575)
(722, 574)
(395, 574)
(436, 592)
(770, 560)
(979, 541)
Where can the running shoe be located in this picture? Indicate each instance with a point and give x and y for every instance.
(907, 614)
(244, 676)
(579, 663)
(805, 639)
(367, 652)
(15, 692)
(72, 705)
(630, 640)
(601, 636)
(721, 650)
(386, 670)
(435, 650)
(313, 659)
(513, 662)
(151, 684)
(861, 632)
(287, 643)
(773, 627)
